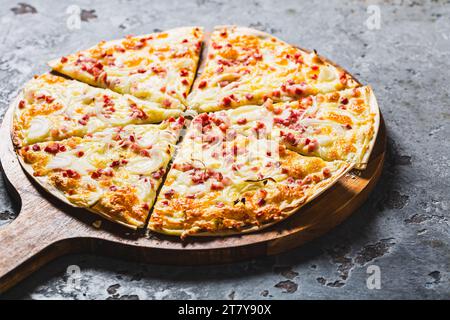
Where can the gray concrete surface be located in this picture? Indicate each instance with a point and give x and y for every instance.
(404, 226)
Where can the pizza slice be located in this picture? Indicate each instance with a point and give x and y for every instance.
(245, 66)
(115, 172)
(158, 67)
(51, 108)
(238, 184)
(340, 125)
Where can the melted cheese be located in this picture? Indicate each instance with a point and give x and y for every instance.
(260, 67)
(56, 108)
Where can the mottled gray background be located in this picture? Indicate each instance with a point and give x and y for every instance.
(404, 226)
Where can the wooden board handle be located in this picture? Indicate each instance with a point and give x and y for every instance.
(26, 243)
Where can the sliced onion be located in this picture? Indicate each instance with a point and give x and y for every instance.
(39, 128)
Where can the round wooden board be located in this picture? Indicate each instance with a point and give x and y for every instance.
(47, 228)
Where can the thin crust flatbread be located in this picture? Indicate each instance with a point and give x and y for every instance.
(158, 67)
(52, 108)
(341, 125)
(244, 66)
(274, 127)
(114, 173)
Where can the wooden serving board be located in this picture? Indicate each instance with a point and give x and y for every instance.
(47, 228)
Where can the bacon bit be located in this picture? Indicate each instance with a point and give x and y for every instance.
(223, 33)
(158, 174)
(198, 46)
(261, 202)
(314, 77)
(235, 150)
(71, 174)
(203, 119)
(119, 49)
(242, 121)
(220, 205)
(141, 70)
(290, 138)
(80, 154)
(348, 126)
(258, 56)
(36, 147)
(163, 89)
(223, 127)
(343, 78)
(184, 72)
(115, 163)
(144, 153)
(169, 194)
(183, 167)
(113, 188)
(224, 62)
(158, 70)
(53, 148)
(326, 172)
(107, 101)
(21, 104)
(277, 111)
(184, 41)
(298, 58)
(276, 93)
(260, 125)
(132, 138)
(166, 103)
(98, 173)
(202, 84)
(123, 161)
(165, 203)
(145, 206)
(219, 69)
(226, 101)
(249, 96)
(315, 68)
(185, 82)
(216, 186)
(312, 146)
(84, 120)
(298, 91)
(64, 59)
(137, 112)
(216, 46)
(344, 101)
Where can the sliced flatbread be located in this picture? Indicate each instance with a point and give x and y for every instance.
(238, 184)
(114, 173)
(51, 108)
(245, 66)
(340, 125)
(158, 67)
